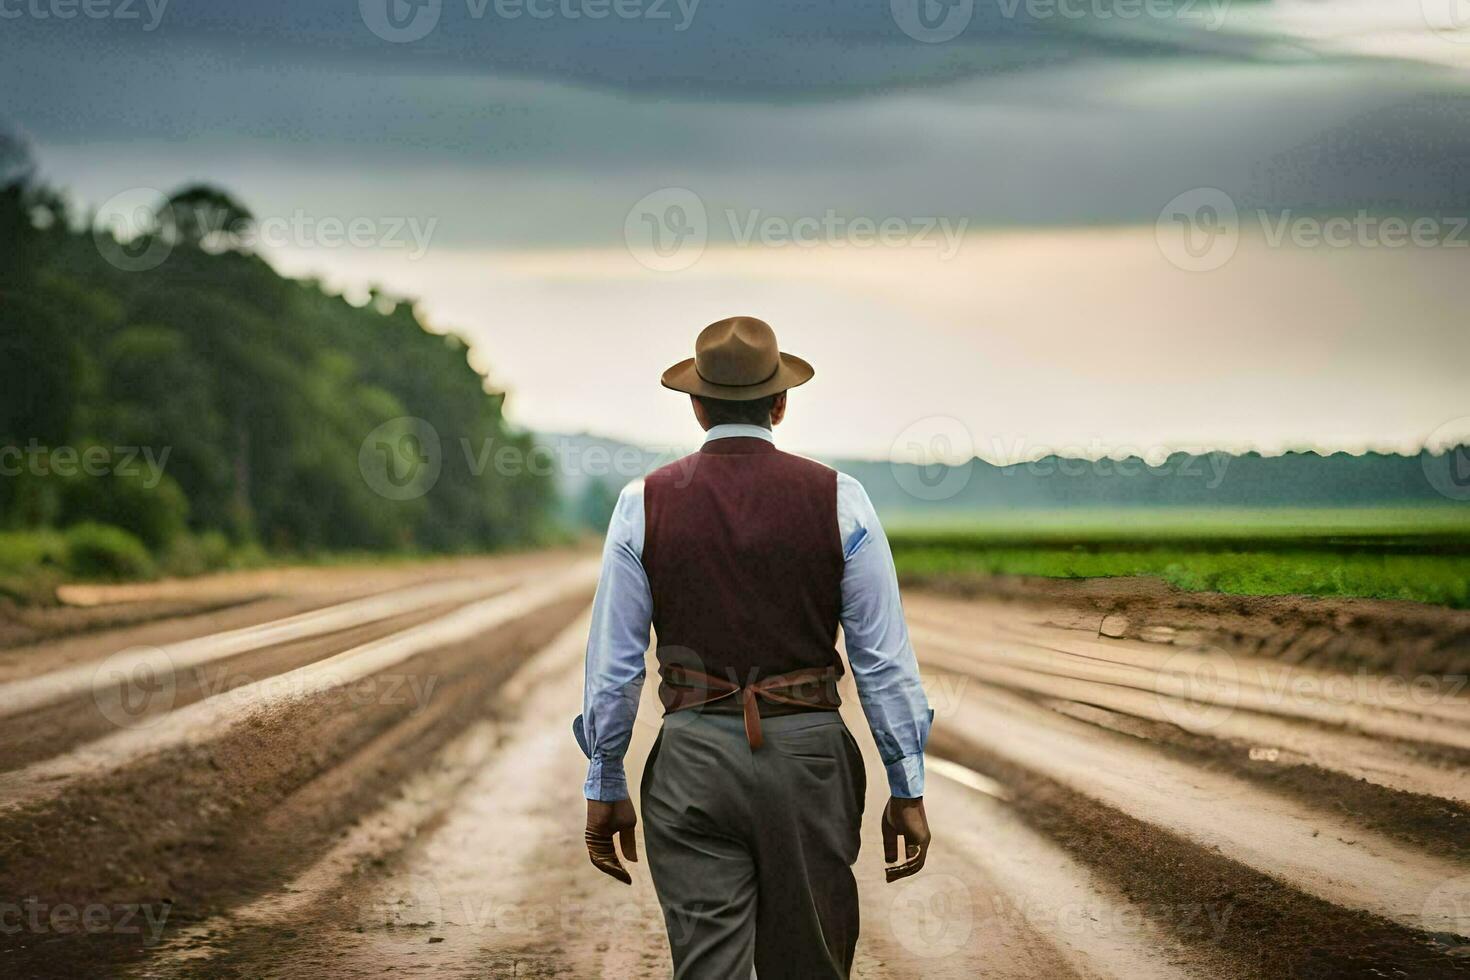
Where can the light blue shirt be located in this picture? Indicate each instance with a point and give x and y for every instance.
(878, 648)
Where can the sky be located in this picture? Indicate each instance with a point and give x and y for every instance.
(1006, 227)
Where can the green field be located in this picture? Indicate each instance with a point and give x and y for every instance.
(1421, 555)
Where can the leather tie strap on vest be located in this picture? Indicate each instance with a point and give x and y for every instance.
(807, 688)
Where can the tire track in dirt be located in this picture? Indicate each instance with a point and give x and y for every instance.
(308, 835)
(1098, 930)
(1226, 683)
(1414, 792)
(79, 681)
(105, 618)
(1114, 764)
(934, 925)
(59, 728)
(1393, 765)
(273, 697)
(1154, 650)
(498, 884)
(1204, 898)
(1313, 849)
(235, 807)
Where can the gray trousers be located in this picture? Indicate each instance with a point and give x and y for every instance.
(751, 852)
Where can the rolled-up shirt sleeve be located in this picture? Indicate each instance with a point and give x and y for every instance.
(621, 620)
(878, 647)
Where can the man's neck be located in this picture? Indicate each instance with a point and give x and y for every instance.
(733, 430)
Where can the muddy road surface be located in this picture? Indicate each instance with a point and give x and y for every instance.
(365, 774)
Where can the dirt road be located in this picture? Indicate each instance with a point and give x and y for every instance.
(379, 777)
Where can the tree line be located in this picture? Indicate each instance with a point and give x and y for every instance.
(256, 395)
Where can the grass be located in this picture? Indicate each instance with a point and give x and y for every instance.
(1183, 523)
(1421, 556)
(34, 562)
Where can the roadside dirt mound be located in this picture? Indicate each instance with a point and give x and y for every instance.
(202, 826)
(23, 625)
(1386, 636)
(1269, 928)
(80, 607)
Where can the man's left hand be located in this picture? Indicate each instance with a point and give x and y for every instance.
(604, 820)
(905, 818)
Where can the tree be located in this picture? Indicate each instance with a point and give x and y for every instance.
(207, 217)
(262, 390)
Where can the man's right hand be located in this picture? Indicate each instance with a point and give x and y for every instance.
(904, 818)
(604, 820)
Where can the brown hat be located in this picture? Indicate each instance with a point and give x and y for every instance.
(737, 359)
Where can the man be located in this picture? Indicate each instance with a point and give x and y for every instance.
(744, 560)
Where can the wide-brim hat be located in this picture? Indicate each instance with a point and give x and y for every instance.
(737, 359)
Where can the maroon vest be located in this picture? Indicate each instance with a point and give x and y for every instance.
(744, 560)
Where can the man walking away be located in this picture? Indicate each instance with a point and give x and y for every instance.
(744, 560)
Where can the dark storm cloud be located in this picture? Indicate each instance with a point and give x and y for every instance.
(776, 49)
(525, 131)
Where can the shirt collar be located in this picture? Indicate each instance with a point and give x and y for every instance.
(732, 430)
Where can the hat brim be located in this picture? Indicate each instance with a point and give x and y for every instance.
(792, 371)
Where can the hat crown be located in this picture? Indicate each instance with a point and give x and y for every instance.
(737, 359)
(739, 350)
